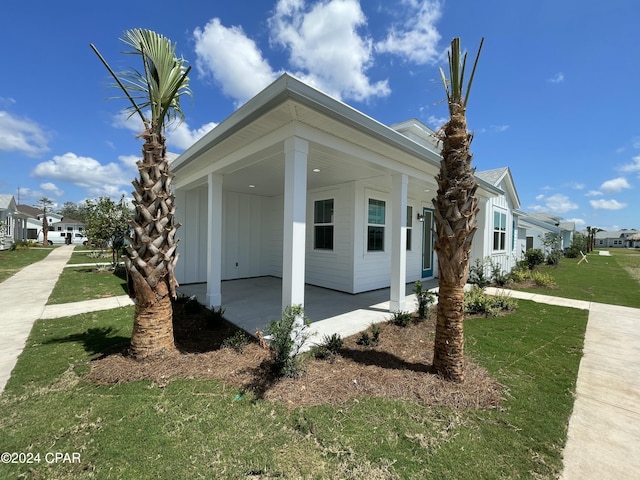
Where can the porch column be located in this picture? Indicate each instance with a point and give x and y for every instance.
(398, 242)
(295, 206)
(214, 240)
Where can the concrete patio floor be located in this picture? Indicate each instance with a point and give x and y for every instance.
(252, 303)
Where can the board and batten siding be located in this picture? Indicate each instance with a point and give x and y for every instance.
(191, 211)
(332, 268)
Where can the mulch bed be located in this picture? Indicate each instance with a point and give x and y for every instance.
(398, 367)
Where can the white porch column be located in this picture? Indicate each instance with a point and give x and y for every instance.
(295, 205)
(398, 242)
(214, 240)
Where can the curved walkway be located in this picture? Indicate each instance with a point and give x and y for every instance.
(603, 440)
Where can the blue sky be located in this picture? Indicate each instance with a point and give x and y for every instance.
(555, 96)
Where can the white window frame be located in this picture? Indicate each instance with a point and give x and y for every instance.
(324, 224)
(501, 231)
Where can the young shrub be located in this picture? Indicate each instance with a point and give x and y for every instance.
(534, 257)
(424, 299)
(477, 275)
(364, 340)
(519, 274)
(329, 348)
(401, 319)
(287, 337)
(215, 316)
(542, 279)
(375, 333)
(499, 277)
(370, 340)
(237, 341)
(477, 300)
(554, 256)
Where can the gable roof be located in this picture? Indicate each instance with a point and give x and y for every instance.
(499, 175)
(29, 210)
(7, 201)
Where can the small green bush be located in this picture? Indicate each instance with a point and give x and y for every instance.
(287, 337)
(554, 256)
(372, 340)
(401, 319)
(477, 274)
(542, 279)
(498, 276)
(424, 299)
(476, 301)
(237, 341)
(519, 275)
(329, 348)
(534, 257)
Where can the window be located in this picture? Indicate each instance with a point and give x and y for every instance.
(69, 229)
(409, 226)
(499, 230)
(375, 226)
(323, 224)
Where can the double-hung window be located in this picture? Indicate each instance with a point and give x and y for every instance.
(375, 225)
(323, 224)
(499, 230)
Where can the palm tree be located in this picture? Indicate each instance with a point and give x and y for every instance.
(151, 259)
(455, 211)
(45, 203)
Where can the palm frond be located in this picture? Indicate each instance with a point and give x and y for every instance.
(454, 86)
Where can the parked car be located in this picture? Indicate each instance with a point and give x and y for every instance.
(61, 238)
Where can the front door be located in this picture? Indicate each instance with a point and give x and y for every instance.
(427, 242)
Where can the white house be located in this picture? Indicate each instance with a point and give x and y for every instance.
(298, 185)
(498, 222)
(14, 222)
(538, 225)
(617, 239)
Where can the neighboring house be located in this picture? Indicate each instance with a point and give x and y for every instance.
(618, 239)
(633, 241)
(59, 227)
(536, 226)
(498, 222)
(34, 221)
(298, 185)
(14, 222)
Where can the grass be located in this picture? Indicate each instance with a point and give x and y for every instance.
(86, 283)
(83, 256)
(204, 429)
(611, 279)
(11, 261)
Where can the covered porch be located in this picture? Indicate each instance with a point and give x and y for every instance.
(252, 303)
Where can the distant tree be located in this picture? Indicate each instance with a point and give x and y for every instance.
(108, 223)
(45, 203)
(77, 211)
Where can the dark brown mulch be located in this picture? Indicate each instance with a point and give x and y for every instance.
(398, 367)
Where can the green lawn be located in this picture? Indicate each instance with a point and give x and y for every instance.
(11, 261)
(89, 256)
(613, 279)
(86, 283)
(199, 429)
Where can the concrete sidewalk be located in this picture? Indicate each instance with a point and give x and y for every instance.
(23, 297)
(603, 440)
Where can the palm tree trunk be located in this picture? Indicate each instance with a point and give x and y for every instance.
(152, 253)
(455, 210)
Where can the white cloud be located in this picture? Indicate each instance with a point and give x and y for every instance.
(325, 48)
(593, 193)
(607, 204)
(85, 172)
(232, 59)
(177, 134)
(51, 189)
(22, 135)
(415, 37)
(557, 78)
(634, 166)
(615, 185)
(556, 203)
(436, 122)
(182, 137)
(576, 185)
(499, 128)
